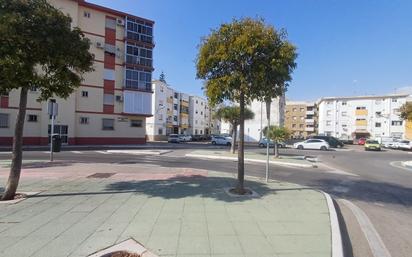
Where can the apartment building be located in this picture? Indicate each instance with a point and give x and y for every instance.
(254, 127)
(362, 116)
(301, 118)
(198, 116)
(113, 102)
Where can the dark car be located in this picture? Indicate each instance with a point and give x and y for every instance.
(333, 141)
(196, 138)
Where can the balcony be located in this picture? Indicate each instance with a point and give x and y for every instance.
(310, 112)
(309, 121)
(310, 129)
(363, 112)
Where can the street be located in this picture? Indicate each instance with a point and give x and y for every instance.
(370, 180)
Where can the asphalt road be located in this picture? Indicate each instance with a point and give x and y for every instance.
(369, 180)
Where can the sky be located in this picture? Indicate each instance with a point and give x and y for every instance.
(345, 48)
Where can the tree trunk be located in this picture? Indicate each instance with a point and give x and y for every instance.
(17, 156)
(234, 135)
(275, 148)
(241, 154)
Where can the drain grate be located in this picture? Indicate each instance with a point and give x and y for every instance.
(101, 175)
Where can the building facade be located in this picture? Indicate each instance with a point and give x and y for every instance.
(351, 118)
(112, 104)
(254, 127)
(198, 118)
(301, 118)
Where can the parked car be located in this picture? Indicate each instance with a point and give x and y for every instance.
(371, 144)
(388, 142)
(219, 140)
(263, 143)
(361, 141)
(185, 138)
(174, 138)
(312, 144)
(332, 141)
(196, 138)
(404, 145)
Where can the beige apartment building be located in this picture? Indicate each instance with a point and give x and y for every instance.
(301, 118)
(114, 100)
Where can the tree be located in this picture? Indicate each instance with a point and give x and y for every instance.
(231, 114)
(237, 61)
(276, 134)
(162, 77)
(38, 48)
(406, 111)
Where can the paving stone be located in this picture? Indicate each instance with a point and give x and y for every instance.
(193, 245)
(225, 245)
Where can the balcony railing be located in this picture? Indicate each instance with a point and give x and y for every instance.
(309, 121)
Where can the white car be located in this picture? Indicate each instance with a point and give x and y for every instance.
(404, 145)
(219, 140)
(312, 144)
(185, 138)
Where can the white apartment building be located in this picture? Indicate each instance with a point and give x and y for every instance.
(254, 127)
(362, 116)
(198, 116)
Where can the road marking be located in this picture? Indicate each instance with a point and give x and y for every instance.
(5, 152)
(336, 171)
(376, 244)
(398, 164)
(102, 152)
(77, 152)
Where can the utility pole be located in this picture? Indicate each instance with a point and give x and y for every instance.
(52, 110)
(267, 139)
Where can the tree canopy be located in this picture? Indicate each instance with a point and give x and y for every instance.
(277, 133)
(231, 114)
(406, 111)
(38, 48)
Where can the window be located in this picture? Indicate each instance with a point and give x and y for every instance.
(293, 125)
(85, 94)
(175, 107)
(108, 124)
(329, 102)
(294, 118)
(139, 30)
(136, 123)
(294, 109)
(302, 109)
(328, 123)
(344, 125)
(201, 131)
(328, 113)
(86, 14)
(344, 103)
(361, 119)
(201, 103)
(302, 118)
(33, 89)
(361, 108)
(84, 120)
(4, 120)
(161, 89)
(378, 101)
(196, 101)
(31, 118)
(160, 131)
(195, 131)
(378, 114)
(344, 114)
(396, 123)
(175, 118)
(378, 124)
(108, 99)
(201, 113)
(394, 100)
(196, 123)
(196, 111)
(138, 80)
(176, 95)
(396, 111)
(300, 125)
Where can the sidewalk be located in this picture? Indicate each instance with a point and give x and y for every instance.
(295, 161)
(180, 212)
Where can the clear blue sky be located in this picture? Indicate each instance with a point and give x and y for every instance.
(345, 48)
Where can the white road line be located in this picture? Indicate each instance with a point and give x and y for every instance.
(376, 244)
(102, 152)
(77, 152)
(5, 152)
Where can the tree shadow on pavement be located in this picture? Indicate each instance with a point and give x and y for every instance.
(190, 186)
(368, 191)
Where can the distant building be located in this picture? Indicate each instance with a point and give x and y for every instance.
(198, 110)
(301, 118)
(254, 128)
(362, 116)
(113, 101)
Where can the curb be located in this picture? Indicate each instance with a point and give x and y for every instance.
(336, 237)
(251, 160)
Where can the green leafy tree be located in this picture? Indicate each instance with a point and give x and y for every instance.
(162, 77)
(277, 135)
(237, 61)
(38, 48)
(231, 114)
(406, 111)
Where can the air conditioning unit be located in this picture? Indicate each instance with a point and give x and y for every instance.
(100, 45)
(119, 98)
(120, 22)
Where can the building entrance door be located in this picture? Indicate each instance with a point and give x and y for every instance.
(62, 130)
